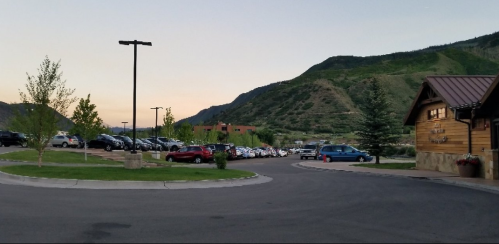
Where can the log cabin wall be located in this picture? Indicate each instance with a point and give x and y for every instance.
(441, 141)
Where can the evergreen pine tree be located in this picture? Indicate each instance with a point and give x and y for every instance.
(376, 127)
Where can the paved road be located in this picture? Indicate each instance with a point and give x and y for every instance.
(299, 205)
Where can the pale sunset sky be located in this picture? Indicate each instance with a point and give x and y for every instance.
(207, 52)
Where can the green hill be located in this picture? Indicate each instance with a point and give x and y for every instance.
(326, 97)
(7, 111)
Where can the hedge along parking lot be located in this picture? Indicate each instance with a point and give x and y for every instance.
(116, 174)
(57, 157)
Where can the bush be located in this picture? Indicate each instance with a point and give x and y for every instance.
(220, 159)
(390, 151)
(411, 152)
(402, 151)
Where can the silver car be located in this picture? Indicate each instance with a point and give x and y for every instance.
(64, 141)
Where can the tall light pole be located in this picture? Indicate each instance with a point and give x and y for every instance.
(156, 128)
(124, 127)
(135, 43)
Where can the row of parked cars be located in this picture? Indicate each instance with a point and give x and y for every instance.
(204, 153)
(116, 142)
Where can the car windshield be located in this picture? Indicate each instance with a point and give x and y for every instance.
(108, 137)
(21, 135)
(310, 147)
(126, 138)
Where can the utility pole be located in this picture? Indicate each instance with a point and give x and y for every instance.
(134, 43)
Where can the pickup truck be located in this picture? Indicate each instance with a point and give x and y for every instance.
(8, 138)
(309, 151)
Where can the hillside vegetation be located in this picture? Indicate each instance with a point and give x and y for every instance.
(326, 97)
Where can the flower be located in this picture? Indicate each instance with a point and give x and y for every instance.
(468, 159)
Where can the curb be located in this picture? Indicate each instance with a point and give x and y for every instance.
(10, 179)
(490, 189)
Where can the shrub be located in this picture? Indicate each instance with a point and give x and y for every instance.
(402, 151)
(411, 151)
(220, 159)
(390, 150)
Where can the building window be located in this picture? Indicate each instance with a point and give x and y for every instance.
(208, 130)
(478, 124)
(237, 130)
(224, 128)
(439, 113)
(249, 130)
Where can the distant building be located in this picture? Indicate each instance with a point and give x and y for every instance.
(241, 129)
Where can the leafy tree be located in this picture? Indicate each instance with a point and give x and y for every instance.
(168, 129)
(376, 127)
(200, 135)
(235, 138)
(266, 136)
(87, 122)
(246, 140)
(45, 105)
(185, 133)
(212, 136)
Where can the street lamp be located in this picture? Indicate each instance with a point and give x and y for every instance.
(156, 128)
(135, 43)
(124, 127)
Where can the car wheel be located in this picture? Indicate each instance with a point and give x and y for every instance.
(64, 145)
(197, 160)
(169, 159)
(24, 144)
(174, 148)
(108, 148)
(301, 158)
(160, 148)
(6, 145)
(329, 159)
(0, 144)
(361, 159)
(125, 148)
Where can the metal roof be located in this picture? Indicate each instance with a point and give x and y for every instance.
(461, 91)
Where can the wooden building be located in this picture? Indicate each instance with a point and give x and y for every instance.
(454, 116)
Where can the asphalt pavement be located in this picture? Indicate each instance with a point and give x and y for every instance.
(298, 205)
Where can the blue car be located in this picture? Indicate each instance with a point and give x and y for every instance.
(343, 153)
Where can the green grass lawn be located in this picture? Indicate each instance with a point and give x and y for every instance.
(388, 165)
(113, 173)
(147, 157)
(57, 157)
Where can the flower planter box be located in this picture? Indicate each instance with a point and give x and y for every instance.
(468, 170)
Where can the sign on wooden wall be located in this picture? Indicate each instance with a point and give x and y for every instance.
(437, 134)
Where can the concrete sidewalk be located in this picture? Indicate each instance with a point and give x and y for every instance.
(476, 183)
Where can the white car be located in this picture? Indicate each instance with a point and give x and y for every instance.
(282, 153)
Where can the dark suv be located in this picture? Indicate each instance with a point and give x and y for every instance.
(127, 142)
(8, 138)
(106, 142)
(226, 148)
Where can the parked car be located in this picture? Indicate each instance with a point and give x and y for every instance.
(171, 144)
(127, 142)
(344, 153)
(153, 146)
(8, 138)
(142, 145)
(64, 141)
(106, 142)
(227, 148)
(164, 145)
(197, 154)
(309, 151)
(81, 142)
(260, 152)
(282, 152)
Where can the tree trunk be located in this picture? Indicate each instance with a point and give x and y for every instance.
(85, 148)
(40, 153)
(377, 159)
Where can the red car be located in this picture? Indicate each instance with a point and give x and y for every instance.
(196, 154)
